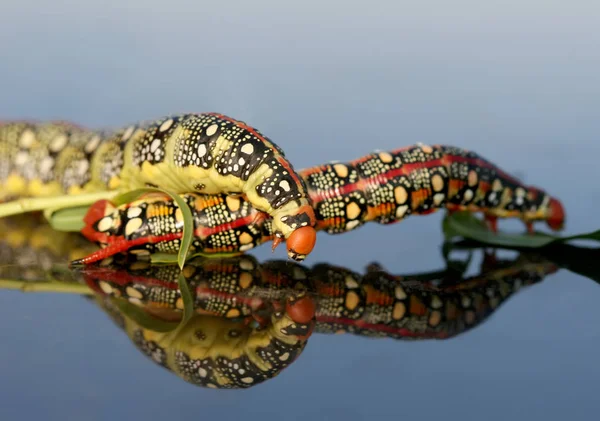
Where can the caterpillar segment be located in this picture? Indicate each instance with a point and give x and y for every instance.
(383, 187)
(206, 153)
(259, 317)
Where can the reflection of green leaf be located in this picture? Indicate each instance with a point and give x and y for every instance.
(466, 225)
(186, 296)
(142, 318)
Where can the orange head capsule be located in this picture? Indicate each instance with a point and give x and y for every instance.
(301, 242)
(556, 215)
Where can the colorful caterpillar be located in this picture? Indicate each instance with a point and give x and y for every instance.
(242, 323)
(384, 187)
(208, 153)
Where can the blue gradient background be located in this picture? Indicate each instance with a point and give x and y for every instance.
(517, 81)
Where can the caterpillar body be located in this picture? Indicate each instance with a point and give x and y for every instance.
(206, 153)
(384, 187)
(251, 327)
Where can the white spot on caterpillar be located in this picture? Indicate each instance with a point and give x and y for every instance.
(248, 380)
(468, 195)
(128, 133)
(202, 372)
(492, 197)
(27, 139)
(248, 149)
(211, 130)
(92, 144)
(400, 211)
(166, 125)
(21, 158)
(352, 224)
(133, 225)
(46, 165)
(400, 293)
(285, 185)
(284, 357)
(134, 211)
(241, 161)
(154, 145)
(58, 143)
(82, 167)
(105, 224)
(201, 150)
(438, 198)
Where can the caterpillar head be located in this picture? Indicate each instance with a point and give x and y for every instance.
(556, 215)
(301, 241)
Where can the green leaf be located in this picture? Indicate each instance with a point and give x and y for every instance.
(468, 226)
(31, 204)
(68, 219)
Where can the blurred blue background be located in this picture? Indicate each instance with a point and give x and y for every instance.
(517, 81)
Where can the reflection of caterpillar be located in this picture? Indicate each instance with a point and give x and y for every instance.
(239, 292)
(208, 153)
(384, 187)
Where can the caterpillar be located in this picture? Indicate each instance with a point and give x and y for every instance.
(207, 153)
(384, 187)
(227, 335)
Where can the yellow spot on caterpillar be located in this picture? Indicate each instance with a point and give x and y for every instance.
(166, 125)
(179, 215)
(386, 157)
(438, 199)
(232, 313)
(352, 300)
(426, 148)
(114, 183)
(233, 203)
(27, 138)
(437, 182)
(435, 318)
(399, 311)
(472, 178)
(133, 225)
(248, 380)
(179, 303)
(245, 238)
(341, 170)
(134, 293)
(352, 210)
(245, 280)
(400, 194)
(14, 184)
(105, 287)
(284, 357)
